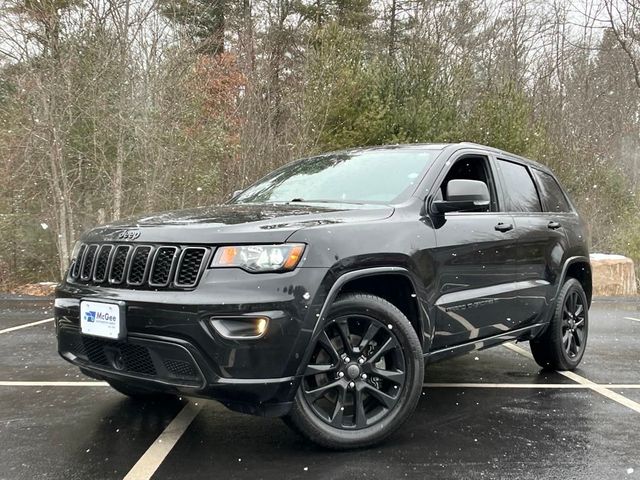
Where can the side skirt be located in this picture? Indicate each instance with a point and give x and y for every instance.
(519, 334)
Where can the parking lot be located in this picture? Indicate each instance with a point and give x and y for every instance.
(489, 414)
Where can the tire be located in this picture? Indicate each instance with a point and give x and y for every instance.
(373, 370)
(563, 343)
(137, 393)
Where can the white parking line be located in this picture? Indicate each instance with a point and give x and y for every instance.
(634, 319)
(534, 386)
(517, 349)
(39, 322)
(616, 397)
(604, 391)
(11, 383)
(158, 451)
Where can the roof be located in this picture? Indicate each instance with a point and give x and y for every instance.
(454, 147)
(503, 153)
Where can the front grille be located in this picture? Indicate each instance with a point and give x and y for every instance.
(189, 266)
(75, 265)
(102, 262)
(116, 275)
(87, 262)
(158, 360)
(140, 266)
(163, 266)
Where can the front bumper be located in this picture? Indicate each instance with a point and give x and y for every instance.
(171, 345)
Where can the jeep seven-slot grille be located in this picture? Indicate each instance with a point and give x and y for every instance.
(116, 274)
(190, 262)
(139, 266)
(87, 262)
(162, 267)
(102, 262)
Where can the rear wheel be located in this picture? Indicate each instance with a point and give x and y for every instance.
(562, 345)
(364, 378)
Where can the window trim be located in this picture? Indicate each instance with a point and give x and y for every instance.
(562, 192)
(494, 188)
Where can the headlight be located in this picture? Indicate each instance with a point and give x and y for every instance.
(260, 258)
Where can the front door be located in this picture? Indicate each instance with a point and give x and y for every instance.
(475, 255)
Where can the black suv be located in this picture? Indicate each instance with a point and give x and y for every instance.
(319, 293)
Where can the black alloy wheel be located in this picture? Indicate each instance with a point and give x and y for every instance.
(573, 324)
(561, 346)
(356, 374)
(364, 376)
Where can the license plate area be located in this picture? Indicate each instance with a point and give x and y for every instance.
(103, 318)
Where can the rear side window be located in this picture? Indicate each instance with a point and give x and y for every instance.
(519, 190)
(552, 197)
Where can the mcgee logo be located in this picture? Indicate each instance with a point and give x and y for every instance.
(90, 316)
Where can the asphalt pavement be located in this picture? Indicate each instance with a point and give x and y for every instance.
(488, 414)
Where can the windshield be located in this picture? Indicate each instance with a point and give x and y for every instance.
(372, 176)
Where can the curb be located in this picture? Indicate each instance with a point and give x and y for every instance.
(9, 297)
(626, 299)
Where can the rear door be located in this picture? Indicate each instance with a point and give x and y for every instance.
(542, 242)
(475, 261)
(562, 217)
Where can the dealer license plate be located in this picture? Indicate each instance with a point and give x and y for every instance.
(101, 319)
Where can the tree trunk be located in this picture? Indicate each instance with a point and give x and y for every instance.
(123, 104)
(60, 201)
(392, 28)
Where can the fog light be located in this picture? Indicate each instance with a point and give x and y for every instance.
(240, 328)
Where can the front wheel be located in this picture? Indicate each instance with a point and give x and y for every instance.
(364, 377)
(562, 345)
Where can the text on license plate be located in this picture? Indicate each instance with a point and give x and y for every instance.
(100, 319)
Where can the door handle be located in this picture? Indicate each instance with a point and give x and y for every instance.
(504, 227)
(553, 225)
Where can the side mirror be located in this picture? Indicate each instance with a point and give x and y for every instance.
(462, 195)
(235, 194)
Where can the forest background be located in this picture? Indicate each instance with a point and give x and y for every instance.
(113, 107)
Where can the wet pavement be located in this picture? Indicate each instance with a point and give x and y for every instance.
(489, 414)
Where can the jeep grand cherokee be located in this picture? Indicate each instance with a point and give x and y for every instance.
(319, 293)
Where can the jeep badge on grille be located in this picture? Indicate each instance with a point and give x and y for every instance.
(128, 234)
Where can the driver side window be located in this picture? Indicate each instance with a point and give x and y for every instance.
(471, 168)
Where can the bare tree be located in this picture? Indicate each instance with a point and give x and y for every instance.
(624, 21)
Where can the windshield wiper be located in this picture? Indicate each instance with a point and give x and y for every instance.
(302, 200)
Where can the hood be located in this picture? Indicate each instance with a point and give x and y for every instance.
(242, 223)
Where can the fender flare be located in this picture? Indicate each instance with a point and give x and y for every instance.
(568, 262)
(335, 291)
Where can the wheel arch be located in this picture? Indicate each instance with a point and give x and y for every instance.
(580, 269)
(369, 280)
(396, 288)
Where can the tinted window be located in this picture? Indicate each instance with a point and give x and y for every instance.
(376, 176)
(551, 194)
(519, 190)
